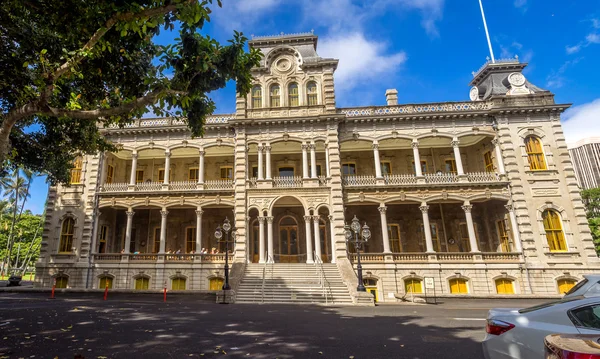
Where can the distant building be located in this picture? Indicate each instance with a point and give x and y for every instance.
(585, 155)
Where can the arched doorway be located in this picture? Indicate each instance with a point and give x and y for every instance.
(289, 246)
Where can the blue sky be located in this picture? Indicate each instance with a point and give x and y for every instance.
(427, 49)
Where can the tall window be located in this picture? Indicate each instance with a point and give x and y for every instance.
(394, 236)
(465, 244)
(450, 166)
(193, 174)
(178, 283)
(226, 172)
(156, 240)
(293, 97)
(103, 235)
(256, 97)
(386, 168)
(139, 176)
(349, 169)
(311, 93)
(423, 167)
(535, 153)
(554, 231)
(413, 285)
(110, 173)
(142, 283)
(504, 286)
(458, 286)
(190, 239)
(435, 238)
(66, 235)
(76, 171)
(503, 233)
(286, 171)
(161, 174)
(487, 159)
(275, 96)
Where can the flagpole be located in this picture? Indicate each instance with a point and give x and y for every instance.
(487, 34)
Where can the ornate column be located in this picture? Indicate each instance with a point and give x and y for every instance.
(426, 227)
(332, 230)
(199, 213)
(309, 247)
(132, 178)
(305, 161)
(201, 167)
(260, 163)
(167, 167)
(467, 207)
(377, 160)
(268, 151)
(327, 169)
(384, 229)
(499, 159)
(318, 251)
(163, 230)
(129, 214)
(270, 258)
(417, 158)
(514, 228)
(261, 239)
(313, 161)
(459, 166)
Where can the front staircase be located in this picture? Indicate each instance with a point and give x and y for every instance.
(293, 284)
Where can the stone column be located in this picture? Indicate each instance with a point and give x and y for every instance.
(318, 251)
(459, 166)
(467, 207)
(132, 178)
(377, 160)
(260, 163)
(163, 230)
(201, 167)
(327, 168)
(384, 229)
(426, 227)
(268, 159)
(199, 213)
(514, 228)
(129, 214)
(332, 258)
(261, 239)
(313, 161)
(309, 247)
(499, 159)
(305, 161)
(417, 158)
(96, 242)
(167, 168)
(270, 258)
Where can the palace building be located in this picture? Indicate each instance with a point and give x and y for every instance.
(474, 198)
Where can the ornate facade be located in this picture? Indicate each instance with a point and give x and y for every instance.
(480, 196)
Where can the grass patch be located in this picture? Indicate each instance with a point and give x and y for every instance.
(27, 277)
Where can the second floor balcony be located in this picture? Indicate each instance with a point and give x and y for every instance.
(398, 180)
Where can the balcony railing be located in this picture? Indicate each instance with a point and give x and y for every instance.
(476, 106)
(161, 122)
(483, 177)
(440, 178)
(400, 179)
(153, 257)
(428, 178)
(287, 181)
(173, 186)
(441, 257)
(359, 181)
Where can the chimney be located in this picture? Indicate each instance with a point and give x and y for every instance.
(391, 96)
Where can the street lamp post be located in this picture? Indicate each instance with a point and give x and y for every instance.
(359, 240)
(219, 236)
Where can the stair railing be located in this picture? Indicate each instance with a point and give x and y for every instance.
(262, 300)
(322, 279)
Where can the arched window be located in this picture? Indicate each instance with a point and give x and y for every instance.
(142, 283)
(275, 96)
(565, 285)
(178, 283)
(458, 286)
(256, 97)
(371, 287)
(311, 93)
(504, 286)
(215, 283)
(413, 285)
(66, 236)
(62, 281)
(535, 153)
(293, 97)
(105, 282)
(76, 171)
(554, 231)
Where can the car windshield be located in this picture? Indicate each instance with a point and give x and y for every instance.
(576, 287)
(547, 305)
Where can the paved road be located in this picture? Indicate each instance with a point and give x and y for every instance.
(134, 326)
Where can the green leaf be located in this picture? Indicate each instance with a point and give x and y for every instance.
(25, 64)
(43, 51)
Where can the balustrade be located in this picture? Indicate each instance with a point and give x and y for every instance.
(114, 187)
(483, 177)
(148, 186)
(500, 257)
(180, 257)
(440, 178)
(101, 257)
(218, 184)
(143, 257)
(400, 179)
(410, 257)
(287, 181)
(454, 257)
(417, 109)
(182, 185)
(359, 181)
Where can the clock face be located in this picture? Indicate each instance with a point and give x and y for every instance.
(516, 79)
(474, 93)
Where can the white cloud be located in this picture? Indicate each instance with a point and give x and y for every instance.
(521, 4)
(361, 60)
(593, 38)
(556, 79)
(255, 5)
(582, 121)
(572, 49)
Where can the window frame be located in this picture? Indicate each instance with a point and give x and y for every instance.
(411, 282)
(488, 162)
(424, 167)
(162, 170)
(226, 168)
(190, 242)
(144, 281)
(77, 171)
(215, 280)
(156, 240)
(61, 281)
(286, 167)
(389, 164)
(179, 281)
(504, 236)
(102, 238)
(312, 98)
(256, 98)
(535, 153)
(505, 282)
(555, 236)
(350, 164)
(293, 98)
(458, 281)
(274, 99)
(564, 280)
(139, 176)
(67, 236)
(395, 241)
(578, 322)
(110, 174)
(107, 280)
(195, 171)
(452, 162)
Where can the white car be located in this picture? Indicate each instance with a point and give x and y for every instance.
(520, 333)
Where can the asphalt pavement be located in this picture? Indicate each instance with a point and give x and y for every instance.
(143, 326)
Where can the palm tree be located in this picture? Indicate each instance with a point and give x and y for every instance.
(14, 187)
